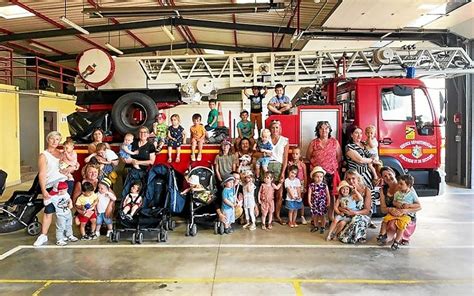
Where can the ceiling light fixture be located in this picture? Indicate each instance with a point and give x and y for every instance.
(168, 33)
(113, 48)
(182, 10)
(39, 46)
(13, 12)
(74, 25)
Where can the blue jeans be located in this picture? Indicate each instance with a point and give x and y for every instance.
(63, 224)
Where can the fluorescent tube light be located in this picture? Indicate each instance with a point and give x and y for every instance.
(39, 46)
(13, 12)
(113, 48)
(74, 25)
(213, 51)
(168, 33)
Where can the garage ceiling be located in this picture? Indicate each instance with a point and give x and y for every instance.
(307, 15)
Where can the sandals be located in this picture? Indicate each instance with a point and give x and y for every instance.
(405, 242)
(177, 160)
(314, 229)
(382, 239)
(170, 160)
(269, 226)
(395, 245)
(279, 220)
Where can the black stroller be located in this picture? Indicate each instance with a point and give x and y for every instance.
(21, 209)
(160, 197)
(199, 208)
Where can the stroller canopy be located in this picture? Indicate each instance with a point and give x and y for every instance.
(162, 190)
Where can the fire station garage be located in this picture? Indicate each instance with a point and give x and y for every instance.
(236, 147)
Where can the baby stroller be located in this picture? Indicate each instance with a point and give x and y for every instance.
(158, 191)
(199, 208)
(21, 209)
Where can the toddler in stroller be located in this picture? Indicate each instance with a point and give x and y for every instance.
(20, 210)
(201, 199)
(133, 201)
(152, 211)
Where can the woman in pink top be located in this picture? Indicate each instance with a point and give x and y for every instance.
(325, 151)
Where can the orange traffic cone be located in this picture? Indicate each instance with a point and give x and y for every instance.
(220, 117)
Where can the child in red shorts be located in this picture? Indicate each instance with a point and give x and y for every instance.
(85, 205)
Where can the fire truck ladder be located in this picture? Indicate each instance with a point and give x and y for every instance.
(208, 72)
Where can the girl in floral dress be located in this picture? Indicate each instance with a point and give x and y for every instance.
(318, 198)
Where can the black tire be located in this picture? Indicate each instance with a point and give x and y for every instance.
(166, 225)
(134, 238)
(34, 228)
(121, 112)
(216, 228)
(221, 228)
(194, 230)
(171, 225)
(140, 238)
(117, 237)
(188, 229)
(164, 236)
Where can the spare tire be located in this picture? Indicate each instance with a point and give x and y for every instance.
(133, 110)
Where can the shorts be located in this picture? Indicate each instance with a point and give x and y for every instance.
(275, 168)
(256, 117)
(293, 205)
(102, 219)
(346, 219)
(263, 161)
(230, 215)
(84, 219)
(48, 205)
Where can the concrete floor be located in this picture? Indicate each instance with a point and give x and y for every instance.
(283, 261)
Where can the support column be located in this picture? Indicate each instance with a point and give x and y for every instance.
(459, 143)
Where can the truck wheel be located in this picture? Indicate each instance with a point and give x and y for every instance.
(133, 110)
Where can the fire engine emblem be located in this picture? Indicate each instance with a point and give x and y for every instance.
(416, 151)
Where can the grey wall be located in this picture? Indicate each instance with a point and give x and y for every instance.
(29, 130)
(459, 144)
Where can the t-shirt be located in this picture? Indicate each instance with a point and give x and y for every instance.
(160, 130)
(212, 116)
(265, 146)
(246, 129)
(256, 103)
(292, 186)
(348, 202)
(82, 200)
(197, 131)
(103, 202)
(276, 101)
(224, 163)
(406, 198)
(228, 194)
(61, 203)
(143, 152)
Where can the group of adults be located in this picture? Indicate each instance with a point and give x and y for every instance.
(324, 151)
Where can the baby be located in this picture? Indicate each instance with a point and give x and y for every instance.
(245, 164)
(63, 204)
(265, 146)
(198, 191)
(133, 201)
(126, 150)
(69, 159)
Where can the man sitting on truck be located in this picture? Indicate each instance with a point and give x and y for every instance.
(279, 104)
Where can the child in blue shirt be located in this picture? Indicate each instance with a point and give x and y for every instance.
(228, 203)
(265, 146)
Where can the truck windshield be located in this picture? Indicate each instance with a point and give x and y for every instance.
(396, 107)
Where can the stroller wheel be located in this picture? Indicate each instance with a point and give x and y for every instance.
(134, 238)
(171, 225)
(194, 230)
(34, 228)
(221, 228)
(140, 238)
(166, 225)
(163, 236)
(117, 237)
(216, 227)
(188, 229)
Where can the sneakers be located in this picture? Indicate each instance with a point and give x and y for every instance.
(94, 236)
(321, 230)
(228, 230)
(61, 243)
(72, 238)
(97, 233)
(109, 233)
(193, 157)
(303, 220)
(199, 158)
(129, 217)
(85, 237)
(252, 227)
(41, 240)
